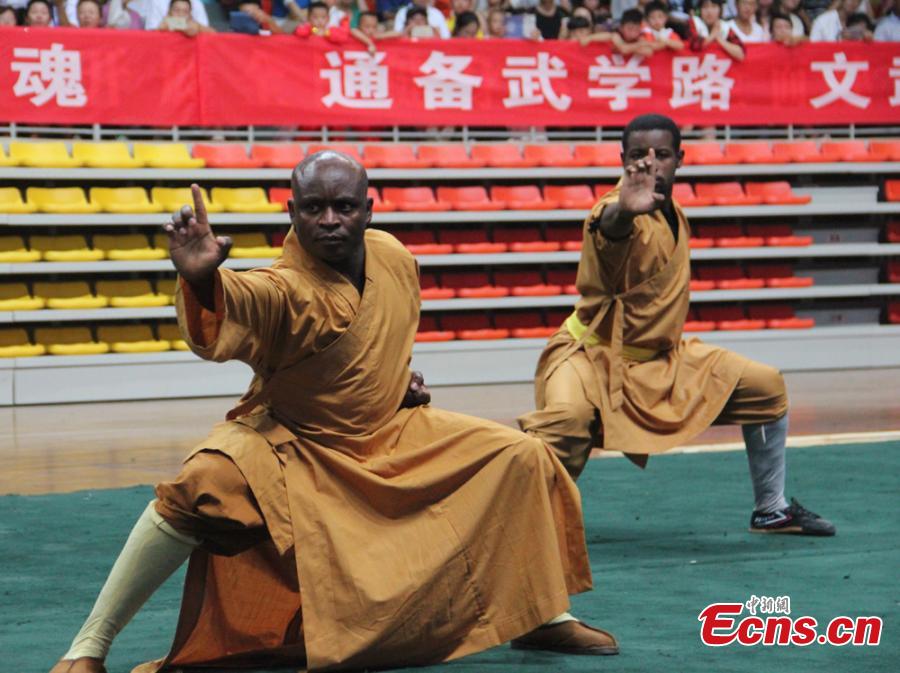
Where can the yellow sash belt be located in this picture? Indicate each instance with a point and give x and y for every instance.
(577, 329)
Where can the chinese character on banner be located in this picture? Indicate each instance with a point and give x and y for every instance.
(840, 89)
(49, 74)
(895, 75)
(530, 81)
(704, 82)
(359, 82)
(445, 85)
(752, 603)
(767, 605)
(783, 605)
(618, 80)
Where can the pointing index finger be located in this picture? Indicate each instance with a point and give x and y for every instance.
(199, 205)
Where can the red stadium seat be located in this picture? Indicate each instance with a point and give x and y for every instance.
(893, 312)
(565, 278)
(449, 156)
(392, 156)
(380, 205)
(729, 318)
(471, 242)
(526, 284)
(698, 285)
(758, 152)
(521, 239)
(422, 242)
(571, 197)
(778, 235)
(565, 235)
(231, 155)
(601, 154)
(704, 154)
(729, 277)
(779, 192)
(472, 284)
(343, 148)
(524, 325)
(779, 317)
(472, 326)
(280, 195)
(892, 231)
(522, 197)
(799, 152)
(777, 275)
(893, 271)
(694, 324)
(469, 198)
(726, 194)
(728, 236)
(845, 150)
(892, 190)
(414, 199)
(884, 150)
(286, 155)
(553, 155)
(684, 194)
(430, 288)
(501, 155)
(697, 242)
(429, 330)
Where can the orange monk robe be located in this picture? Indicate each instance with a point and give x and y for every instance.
(403, 537)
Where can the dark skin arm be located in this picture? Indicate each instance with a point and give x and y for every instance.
(637, 196)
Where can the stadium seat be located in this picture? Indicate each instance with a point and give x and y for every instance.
(599, 154)
(130, 294)
(5, 160)
(779, 317)
(11, 202)
(778, 275)
(166, 155)
(522, 197)
(891, 234)
(380, 205)
(566, 279)
(526, 284)
(879, 150)
(282, 155)
(42, 155)
(166, 287)
(69, 295)
(429, 330)
(69, 341)
(131, 339)
(602, 190)
(524, 239)
(104, 155)
(693, 324)
(468, 198)
(524, 325)
(127, 247)
(571, 197)
(422, 242)
(845, 150)
(280, 195)
(703, 154)
(800, 152)
(471, 241)
(566, 236)
(244, 200)
(123, 200)
(472, 327)
(893, 312)
(727, 236)
(170, 332)
(17, 297)
(227, 155)
(776, 193)
(175, 198)
(699, 285)
(14, 250)
(698, 241)
(501, 155)
(893, 272)
(728, 277)
(757, 152)
(343, 148)
(892, 190)
(14, 343)
(252, 246)
(71, 248)
(729, 318)
(414, 199)
(726, 194)
(392, 156)
(553, 155)
(68, 200)
(449, 156)
(684, 194)
(430, 289)
(472, 284)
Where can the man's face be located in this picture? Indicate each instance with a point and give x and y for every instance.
(497, 24)
(330, 209)
(470, 31)
(667, 159)
(657, 19)
(710, 12)
(368, 25)
(318, 18)
(746, 9)
(88, 15)
(417, 20)
(782, 31)
(630, 32)
(181, 10)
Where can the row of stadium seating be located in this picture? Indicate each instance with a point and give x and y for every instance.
(78, 294)
(16, 342)
(131, 200)
(403, 156)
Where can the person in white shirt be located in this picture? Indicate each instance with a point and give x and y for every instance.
(745, 24)
(154, 11)
(792, 10)
(829, 25)
(888, 29)
(435, 19)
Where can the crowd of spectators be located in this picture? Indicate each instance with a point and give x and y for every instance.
(630, 26)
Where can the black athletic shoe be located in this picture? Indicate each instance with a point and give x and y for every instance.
(793, 519)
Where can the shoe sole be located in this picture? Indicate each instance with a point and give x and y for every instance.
(789, 530)
(580, 651)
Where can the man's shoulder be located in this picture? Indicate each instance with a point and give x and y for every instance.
(384, 243)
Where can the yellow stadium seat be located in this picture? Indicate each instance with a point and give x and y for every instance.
(131, 339)
(69, 295)
(130, 293)
(174, 198)
(69, 341)
(161, 242)
(171, 333)
(126, 247)
(42, 155)
(244, 200)
(73, 248)
(166, 155)
(5, 160)
(16, 297)
(123, 200)
(104, 155)
(252, 246)
(14, 250)
(11, 201)
(14, 343)
(60, 200)
(166, 287)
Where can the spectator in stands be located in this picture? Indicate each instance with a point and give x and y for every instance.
(708, 28)
(629, 38)
(783, 31)
(253, 9)
(549, 17)
(829, 25)
(888, 29)
(8, 16)
(496, 23)
(764, 15)
(39, 14)
(180, 20)
(318, 26)
(745, 24)
(458, 7)
(433, 18)
(371, 28)
(792, 9)
(89, 14)
(656, 29)
(580, 29)
(154, 11)
(466, 24)
(346, 9)
(860, 28)
(387, 9)
(417, 23)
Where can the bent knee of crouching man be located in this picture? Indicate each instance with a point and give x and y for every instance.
(569, 430)
(760, 395)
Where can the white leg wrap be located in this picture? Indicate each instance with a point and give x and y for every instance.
(766, 455)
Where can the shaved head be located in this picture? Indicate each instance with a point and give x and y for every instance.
(328, 161)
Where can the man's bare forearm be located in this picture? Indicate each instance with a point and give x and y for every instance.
(615, 223)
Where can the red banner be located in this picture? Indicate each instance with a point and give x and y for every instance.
(58, 76)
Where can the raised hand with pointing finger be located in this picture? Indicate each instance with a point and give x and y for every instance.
(195, 251)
